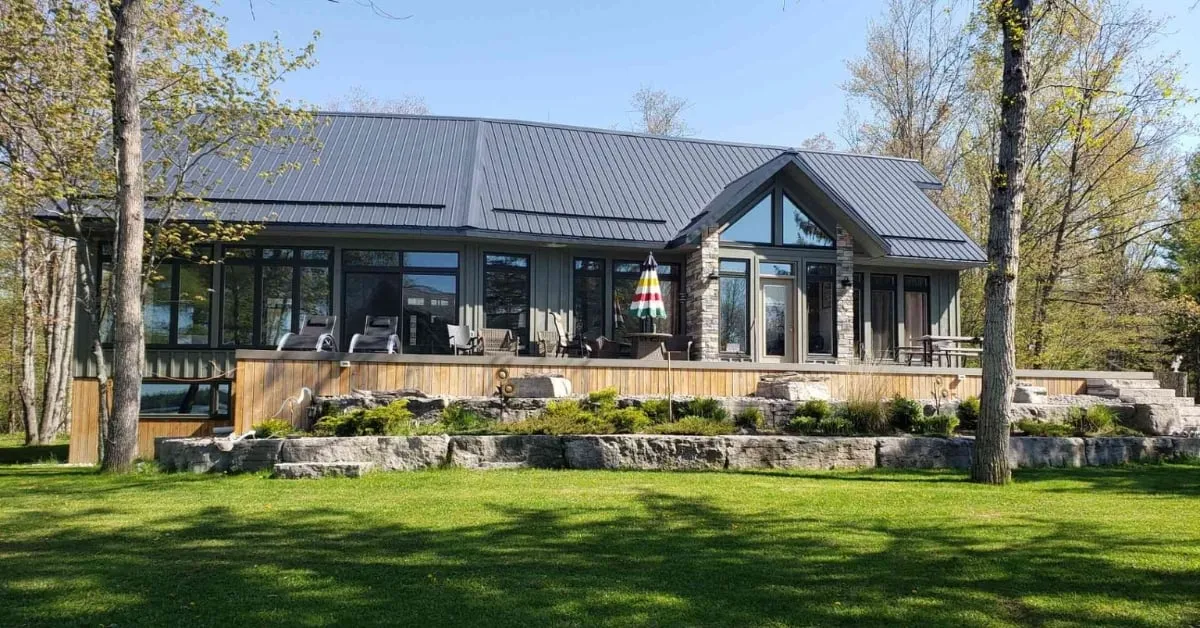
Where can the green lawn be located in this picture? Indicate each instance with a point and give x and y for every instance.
(14, 451)
(1088, 547)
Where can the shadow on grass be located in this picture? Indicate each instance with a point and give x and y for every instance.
(1179, 479)
(661, 559)
(25, 454)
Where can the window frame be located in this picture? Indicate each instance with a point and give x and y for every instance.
(402, 271)
(604, 273)
(928, 292)
(528, 268)
(675, 276)
(745, 274)
(832, 352)
(777, 192)
(297, 262)
(104, 255)
(214, 401)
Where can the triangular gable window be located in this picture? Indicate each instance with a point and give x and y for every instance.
(754, 226)
(801, 230)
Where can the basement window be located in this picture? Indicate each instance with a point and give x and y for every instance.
(194, 400)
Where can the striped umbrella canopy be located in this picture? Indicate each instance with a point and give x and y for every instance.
(647, 298)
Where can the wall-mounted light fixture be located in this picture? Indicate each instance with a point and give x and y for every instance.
(714, 276)
(846, 283)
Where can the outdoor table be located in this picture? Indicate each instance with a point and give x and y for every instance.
(928, 340)
(647, 345)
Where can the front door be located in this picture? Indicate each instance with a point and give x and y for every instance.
(779, 327)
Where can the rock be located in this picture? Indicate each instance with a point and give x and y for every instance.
(794, 387)
(1112, 451)
(1035, 452)
(1028, 393)
(546, 386)
(652, 452)
(313, 470)
(218, 454)
(794, 452)
(1185, 448)
(903, 452)
(507, 452)
(1158, 419)
(389, 453)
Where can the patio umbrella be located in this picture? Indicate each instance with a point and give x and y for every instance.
(647, 297)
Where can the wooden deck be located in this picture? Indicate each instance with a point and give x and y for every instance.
(269, 384)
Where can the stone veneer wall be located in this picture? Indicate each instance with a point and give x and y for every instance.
(652, 452)
(703, 303)
(845, 297)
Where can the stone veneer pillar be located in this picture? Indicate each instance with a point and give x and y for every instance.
(844, 285)
(703, 304)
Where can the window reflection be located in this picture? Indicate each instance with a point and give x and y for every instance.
(755, 226)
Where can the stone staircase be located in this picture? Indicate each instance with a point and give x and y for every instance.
(1154, 405)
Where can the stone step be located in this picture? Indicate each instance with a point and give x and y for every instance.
(1103, 382)
(309, 470)
(1189, 411)
(1149, 396)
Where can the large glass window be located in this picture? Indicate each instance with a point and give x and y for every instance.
(588, 300)
(419, 288)
(883, 316)
(197, 400)
(819, 292)
(799, 229)
(916, 309)
(267, 292)
(755, 226)
(733, 319)
(506, 293)
(625, 276)
(178, 300)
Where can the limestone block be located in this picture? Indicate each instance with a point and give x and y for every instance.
(650, 452)
(1031, 451)
(389, 453)
(313, 470)
(541, 386)
(1027, 393)
(507, 452)
(794, 387)
(793, 452)
(924, 453)
(1158, 419)
(1111, 451)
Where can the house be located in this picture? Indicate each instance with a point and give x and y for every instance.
(767, 255)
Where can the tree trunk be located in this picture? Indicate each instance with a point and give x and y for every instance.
(94, 305)
(59, 333)
(27, 387)
(121, 443)
(990, 463)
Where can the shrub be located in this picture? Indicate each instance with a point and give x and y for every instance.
(749, 418)
(805, 425)
(561, 417)
(937, 425)
(904, 413)
(273, 428)
(657, 410)
(835, 426)
(867, 416)
(625, 420)
(603, 399)
(393, 419)
(459, 419)
(968, 413)
(707, 408)
(1038, 428)
(815, 408)
(1094, 420)
(693, 426)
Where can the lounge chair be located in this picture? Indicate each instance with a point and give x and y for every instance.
(499, 341)
(559, 338)
(378, 336)
(601, 347)
(462, 341)
(677, 348)
(315, 335)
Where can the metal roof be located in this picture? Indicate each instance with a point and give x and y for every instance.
(497, 176)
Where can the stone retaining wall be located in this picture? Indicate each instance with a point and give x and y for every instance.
(654, 452)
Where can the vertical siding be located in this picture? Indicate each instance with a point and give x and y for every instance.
(550, 282)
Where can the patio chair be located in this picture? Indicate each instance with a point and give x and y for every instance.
(499, 342)
(601, 347)
(378, 336)
(315, 335)
(562, 340)
(677, 347)
(462, 341)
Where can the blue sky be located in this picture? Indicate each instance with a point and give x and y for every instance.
(761, 71)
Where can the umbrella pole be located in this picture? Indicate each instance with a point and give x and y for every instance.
(670, 391)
